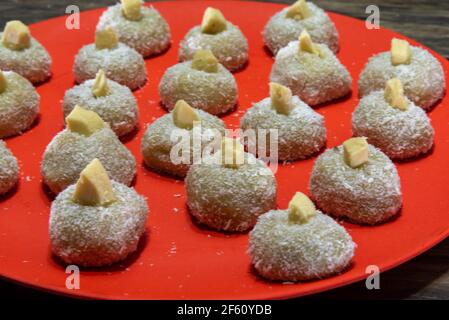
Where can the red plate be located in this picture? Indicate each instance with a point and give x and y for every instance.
(178, 259)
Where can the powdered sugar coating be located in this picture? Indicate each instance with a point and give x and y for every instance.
(423, 79)
(312, 78)
(33, 63)
(121, 64)
(369, 194)
(9, 169)
(157, 144)
(280, 250)
(230, 46)
(280, 30)
(118, 107)
(93, 236)
(214, 92)
(148, 36)
(19, 105)
(399, 134)
(69, 153)
(230, 199)
(301, 133)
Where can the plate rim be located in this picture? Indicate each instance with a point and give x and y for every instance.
(246, 295)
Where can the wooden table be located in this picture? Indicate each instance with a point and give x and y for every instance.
(425, 277)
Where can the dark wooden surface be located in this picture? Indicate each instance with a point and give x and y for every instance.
(425, 277)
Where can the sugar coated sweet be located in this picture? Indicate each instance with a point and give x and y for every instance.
(368, 194)
(285, 251)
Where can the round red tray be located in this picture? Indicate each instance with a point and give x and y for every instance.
(178, 259)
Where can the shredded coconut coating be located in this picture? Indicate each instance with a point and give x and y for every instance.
(312, 78)
(33, 63)
(156, 143)
(301, 133)
(118, 108)
(399, 134)
(92, 236)
(230, 199)
(369, 194)
(423, 79)
(121, 64)
(230, 46)
(280, 30)
(214, 92)
(148, 36)
(283, 251)
(9, 169)
(19, 105)
(69, 153)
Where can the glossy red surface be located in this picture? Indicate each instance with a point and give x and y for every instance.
(178, 259)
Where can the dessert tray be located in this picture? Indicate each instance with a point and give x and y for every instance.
(178, 259)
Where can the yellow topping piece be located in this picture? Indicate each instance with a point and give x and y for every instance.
(84, 121)
(213, 21)
(306, 44)
(3, 83)
(299, 10)
(204, 60)
(301, 209)
(100, 87)
(132, 9)
(401, 52)
(94, 187)
(106, 39)
(232, 152)
(394, 94)
(16, 35)
(184, 116)
(355, 151)
(281, 98)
